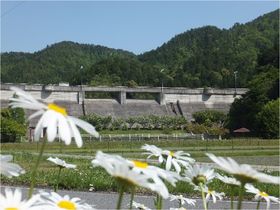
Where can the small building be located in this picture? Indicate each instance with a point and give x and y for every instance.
(241, 132)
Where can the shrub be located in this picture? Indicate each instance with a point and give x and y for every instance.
(99, 122)
(138, 122)
(12, 124)
(209, 117)
(211, 130)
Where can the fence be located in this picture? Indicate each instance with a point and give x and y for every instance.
(135, 137)
(144, 137)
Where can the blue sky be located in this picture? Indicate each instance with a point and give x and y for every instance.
(134, 26)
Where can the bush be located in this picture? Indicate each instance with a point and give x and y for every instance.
(12, 124)
(268, 120)
(98, 121)
(208, 117)
(196, 128)
(138, 122)
(203, 129)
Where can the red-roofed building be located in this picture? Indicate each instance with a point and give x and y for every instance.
(241, 130)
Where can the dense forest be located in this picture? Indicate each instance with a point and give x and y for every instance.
(205, 56)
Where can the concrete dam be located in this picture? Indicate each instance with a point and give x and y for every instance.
(172, 101)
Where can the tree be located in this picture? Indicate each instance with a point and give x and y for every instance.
(12, 124)
(243, 111)
(268, 120)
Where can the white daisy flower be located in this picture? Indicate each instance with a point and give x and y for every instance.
(171, 158)
(197, 175)
(211, 193)
(228, 180)
(153, 151)
(9, 169)
(182, 200)
(121, 169)
(54, 201)
(261, 195)
(61, 163)
(54, 118)
(242, 172)
(140, 206)
(176, 159)
(214, 194)
(13, 201)
(154, 172)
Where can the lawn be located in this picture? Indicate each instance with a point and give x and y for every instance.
(252, 151)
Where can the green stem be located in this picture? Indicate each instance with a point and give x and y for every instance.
(159, 202)
(34, 172)
(60, 146)
(120, 198)
(241, 193)
(58, 179)
(231, 197)
(131, 197)
(258, 205)
(203, 196)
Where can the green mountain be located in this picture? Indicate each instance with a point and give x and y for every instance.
(205, 56)
(56, 63)
(208, 56)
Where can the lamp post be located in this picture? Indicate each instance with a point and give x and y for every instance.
(235, 77)
(82, 94)
(162, 70)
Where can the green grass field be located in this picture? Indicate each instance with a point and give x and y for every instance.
(251, 151)
(260, 151)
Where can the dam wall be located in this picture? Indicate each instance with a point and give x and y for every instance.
(168, 101)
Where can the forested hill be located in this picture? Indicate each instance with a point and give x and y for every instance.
(56, 63)
(205, 56)
(209, 56)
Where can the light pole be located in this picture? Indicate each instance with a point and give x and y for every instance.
(162, 70)
(235, 77)
(82, 94)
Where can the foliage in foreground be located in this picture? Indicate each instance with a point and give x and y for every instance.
(86, 177)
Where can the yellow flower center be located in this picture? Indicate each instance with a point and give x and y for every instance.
(171, 154)
(11, 208)
(140, 164)
(58, 109)
(66, 205)
(263, 194)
